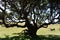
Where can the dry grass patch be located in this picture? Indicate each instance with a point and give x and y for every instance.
(47, 31)
(10, 31)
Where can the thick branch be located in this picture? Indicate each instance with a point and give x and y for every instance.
(2, 9)
(45, 24)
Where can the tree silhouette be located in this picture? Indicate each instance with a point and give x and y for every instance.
(35, 13)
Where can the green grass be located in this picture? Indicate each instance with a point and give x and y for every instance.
(14, 33)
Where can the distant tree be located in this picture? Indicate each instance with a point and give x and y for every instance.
(36, 13)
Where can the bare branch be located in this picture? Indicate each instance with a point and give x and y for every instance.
(2, 9)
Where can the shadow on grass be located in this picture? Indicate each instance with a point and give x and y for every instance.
(23, 36)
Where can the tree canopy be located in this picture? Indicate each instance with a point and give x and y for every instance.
(36, 13)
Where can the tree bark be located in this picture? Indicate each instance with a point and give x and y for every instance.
(32, 29)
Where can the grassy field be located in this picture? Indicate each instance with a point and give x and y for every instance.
(50, 30)
(10, 31)
(14, 33)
